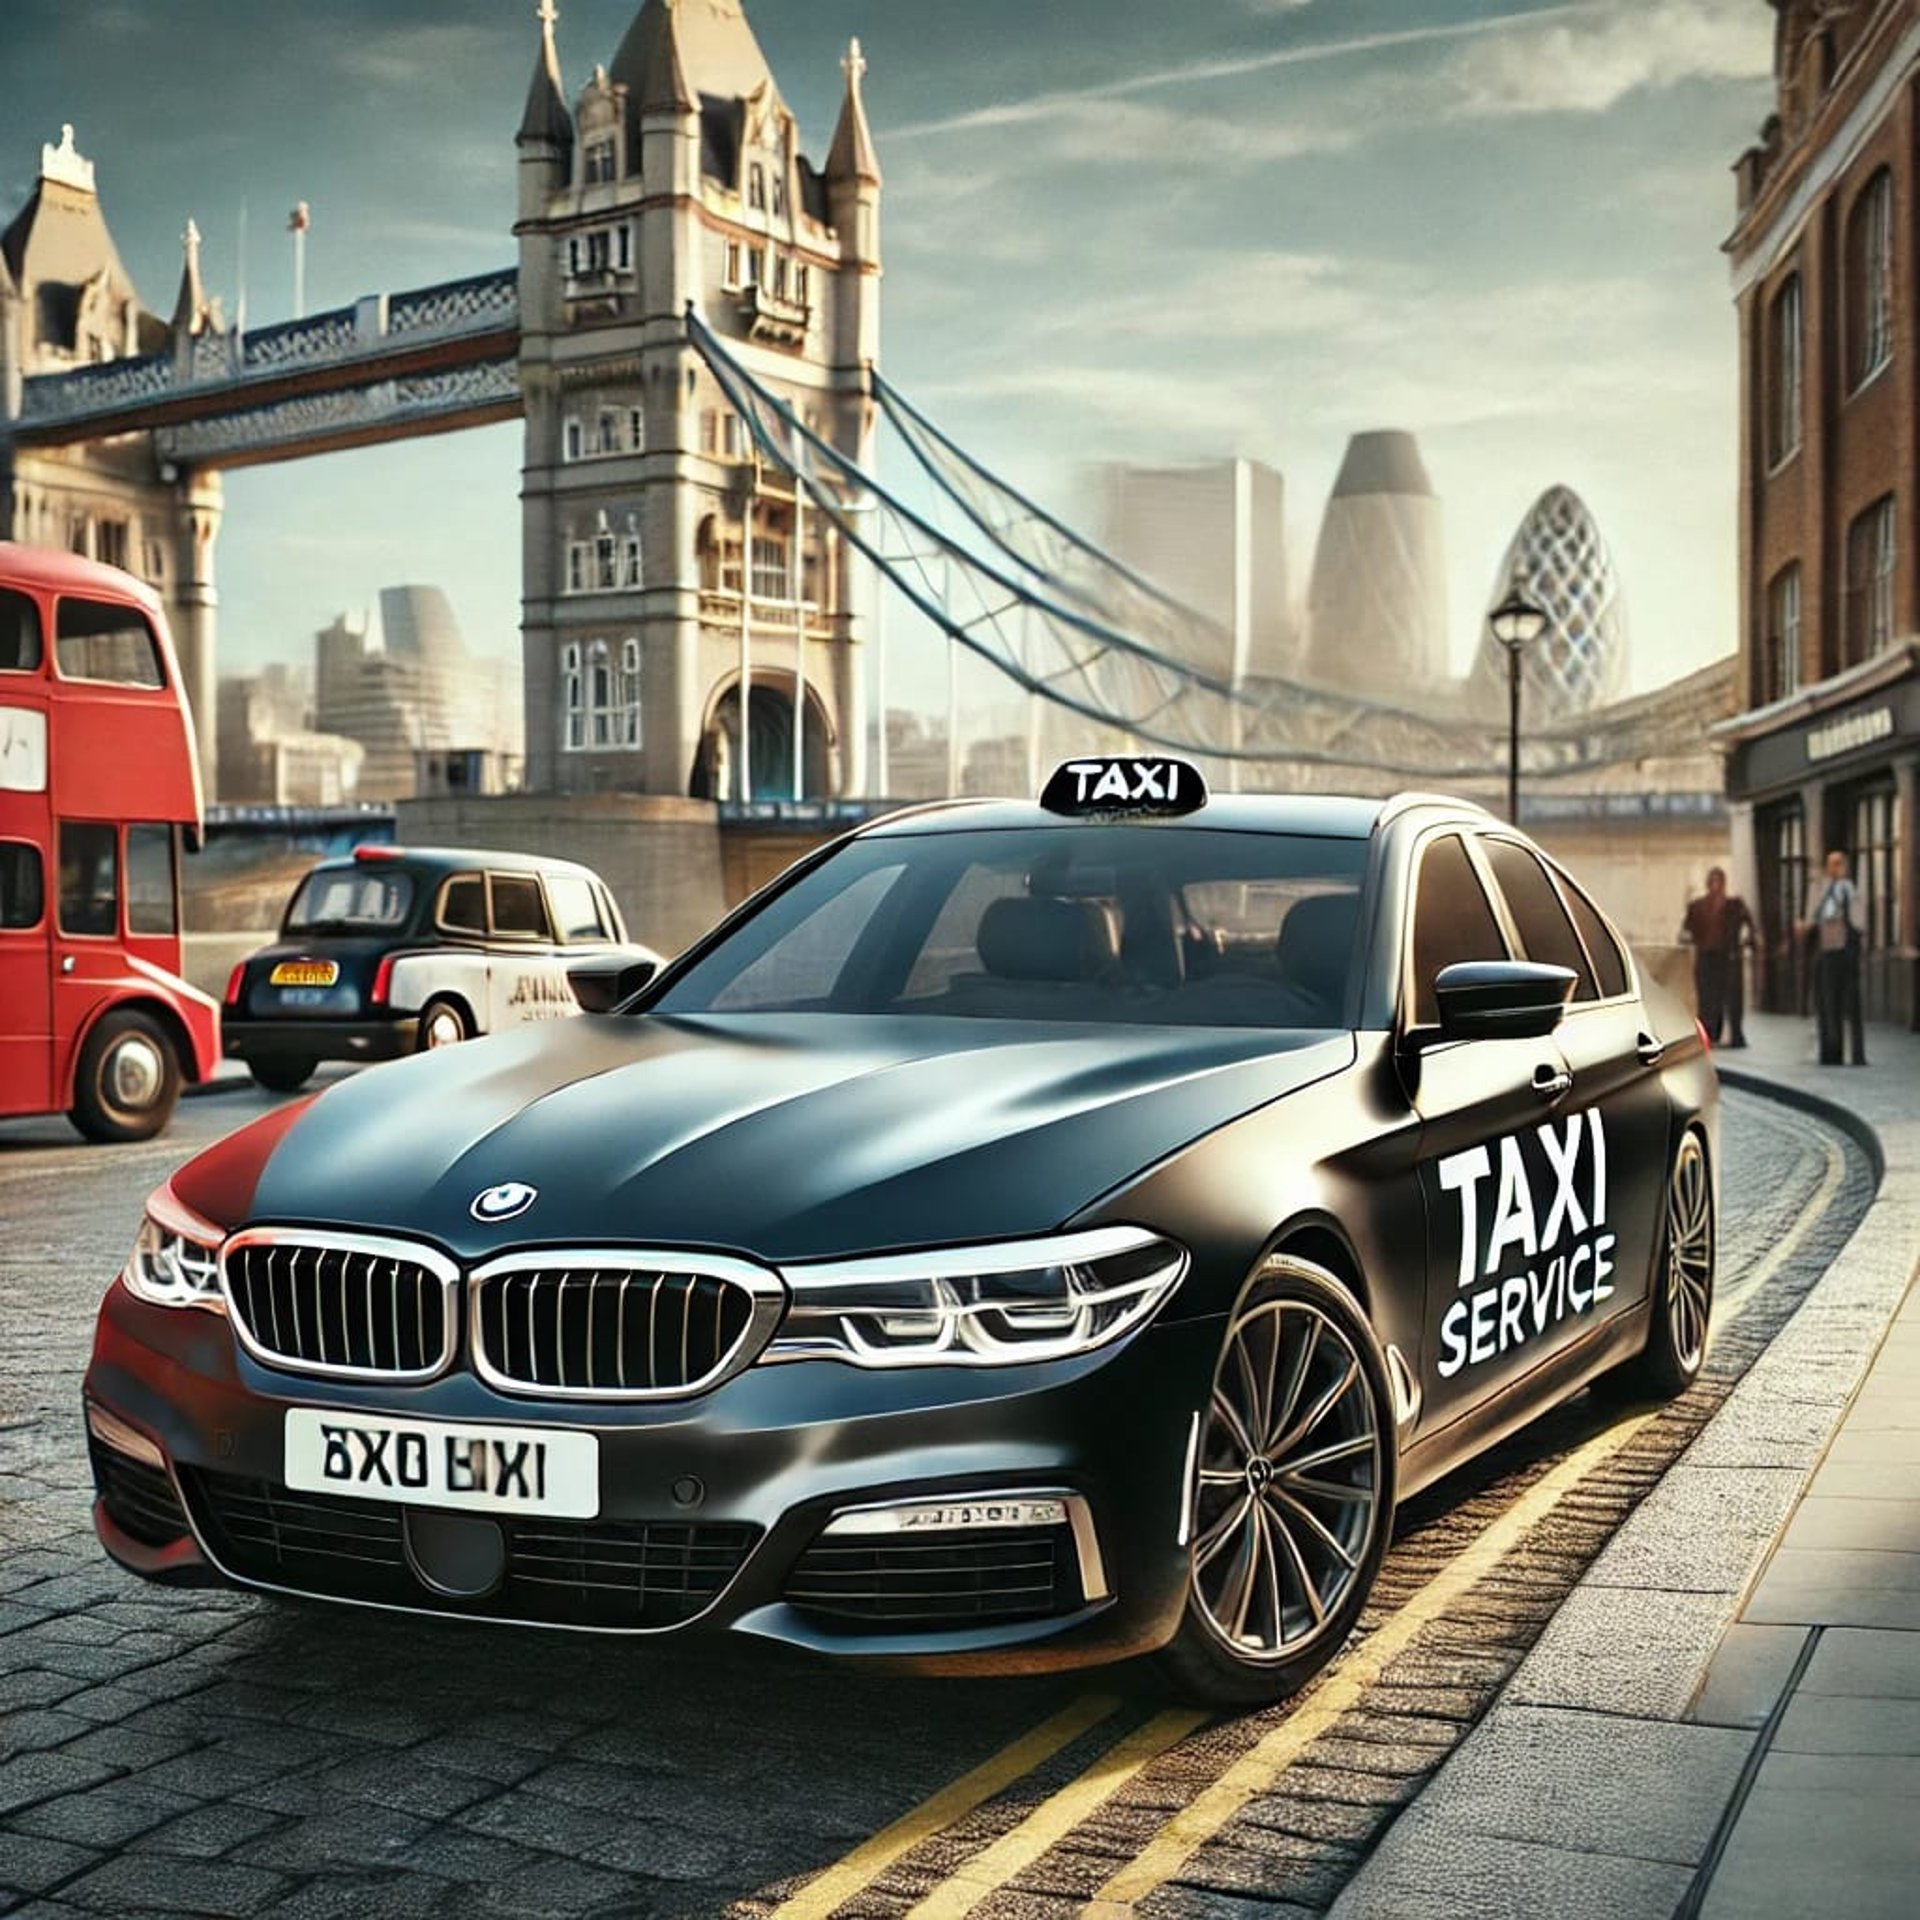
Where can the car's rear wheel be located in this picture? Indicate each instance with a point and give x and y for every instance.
(128, 1079)
(1291, 1495)
(283, 1072)
(443, 1023)
(1682, 1305)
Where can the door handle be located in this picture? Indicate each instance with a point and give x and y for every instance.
(66, 963)
(1551, 1082)
(1649, 1049)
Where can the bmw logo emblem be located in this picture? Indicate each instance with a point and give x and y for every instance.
(505, 1202)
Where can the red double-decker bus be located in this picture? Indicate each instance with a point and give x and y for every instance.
(98, 786)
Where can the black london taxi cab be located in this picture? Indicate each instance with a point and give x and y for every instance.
(393, 950)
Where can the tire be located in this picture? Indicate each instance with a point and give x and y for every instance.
(1282, 1557)
(283, 1072)
(1682, 1304)
(128, 1079)
(443, 1023)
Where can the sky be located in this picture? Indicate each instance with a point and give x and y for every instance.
(1157, 230)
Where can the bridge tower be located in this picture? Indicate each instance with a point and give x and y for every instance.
(67, 302)
(662, 562)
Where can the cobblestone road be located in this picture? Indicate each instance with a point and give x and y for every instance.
(214, 1754)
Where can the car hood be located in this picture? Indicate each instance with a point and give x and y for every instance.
(787, 1137)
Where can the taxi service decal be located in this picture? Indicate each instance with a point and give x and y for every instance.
(541, 996)
(1548, 1208)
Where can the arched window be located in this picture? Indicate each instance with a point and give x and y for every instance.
(1784, 362)
(1870, 280)
(600, 694)
(706, 548)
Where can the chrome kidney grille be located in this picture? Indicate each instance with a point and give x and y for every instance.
(610, 1326)
(343, 1305)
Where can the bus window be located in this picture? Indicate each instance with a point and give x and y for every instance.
(19, 632)
(150, 903)
(94, 640)
(89, 878)
(22, 886)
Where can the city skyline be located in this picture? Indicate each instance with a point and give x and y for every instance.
(1252, 229)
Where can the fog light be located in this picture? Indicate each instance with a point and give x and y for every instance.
(111, 1431)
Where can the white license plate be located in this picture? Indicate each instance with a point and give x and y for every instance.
(304, 996)
(439, 1463)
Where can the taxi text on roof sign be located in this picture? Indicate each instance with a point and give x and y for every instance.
(1124, 784)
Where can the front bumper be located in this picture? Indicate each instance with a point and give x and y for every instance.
(713, 1511)
(320, 1039)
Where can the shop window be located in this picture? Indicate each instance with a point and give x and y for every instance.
(1874, 834)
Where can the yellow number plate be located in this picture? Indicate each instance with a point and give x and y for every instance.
(305, 973)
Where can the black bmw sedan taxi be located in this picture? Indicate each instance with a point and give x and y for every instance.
(1022, 1235)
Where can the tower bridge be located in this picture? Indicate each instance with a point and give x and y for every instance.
(691, 335)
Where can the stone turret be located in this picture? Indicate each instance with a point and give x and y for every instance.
(545, 138)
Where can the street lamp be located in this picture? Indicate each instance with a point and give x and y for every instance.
(1516, 624)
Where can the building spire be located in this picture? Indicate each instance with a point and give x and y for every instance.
(546, 119)
(664, 86)
(851, 156)
(190, 309)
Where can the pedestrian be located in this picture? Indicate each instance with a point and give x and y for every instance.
(1833, 918)
(1717, 927)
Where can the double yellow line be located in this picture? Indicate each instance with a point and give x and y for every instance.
(1195, 1824)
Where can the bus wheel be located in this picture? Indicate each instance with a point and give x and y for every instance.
(283, 1072)
(128, 1079)
(443, 1024)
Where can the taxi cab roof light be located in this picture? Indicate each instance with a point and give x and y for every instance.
(378, 853)
(1123, 786)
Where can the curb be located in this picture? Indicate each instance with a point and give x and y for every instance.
(1587, 1786)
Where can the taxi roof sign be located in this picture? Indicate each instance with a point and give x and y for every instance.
(1110, 786)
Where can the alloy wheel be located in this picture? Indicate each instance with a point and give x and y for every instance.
(1689, 1255)
(1288, 1481)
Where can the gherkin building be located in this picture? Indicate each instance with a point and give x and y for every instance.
(1559, 562)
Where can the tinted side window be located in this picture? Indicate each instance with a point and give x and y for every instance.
(22, 885)
(150, 903)
(19, 632)
(94, 640)
(576, 909)
(1452, 922)
(1545, 931)
(1609, 964)
(463, 904)
(518, 910)
(89, 878)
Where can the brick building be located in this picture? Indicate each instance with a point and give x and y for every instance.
(1826, 252)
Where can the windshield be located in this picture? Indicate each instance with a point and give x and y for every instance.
(351, 900)
(1138, 923)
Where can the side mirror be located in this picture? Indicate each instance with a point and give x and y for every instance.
(1501, 999)
(601, 985)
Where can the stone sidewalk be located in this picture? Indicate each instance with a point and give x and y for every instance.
(1723, 1720)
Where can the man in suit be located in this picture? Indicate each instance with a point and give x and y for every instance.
(1717, 926)
(1833, 913)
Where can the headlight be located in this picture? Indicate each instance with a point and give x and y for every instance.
(176, 1256)
(980, 1306)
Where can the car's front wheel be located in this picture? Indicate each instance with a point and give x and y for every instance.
(128, 1078)
(1291, 1494)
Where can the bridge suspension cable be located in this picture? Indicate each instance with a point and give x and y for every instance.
(1069, 624)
